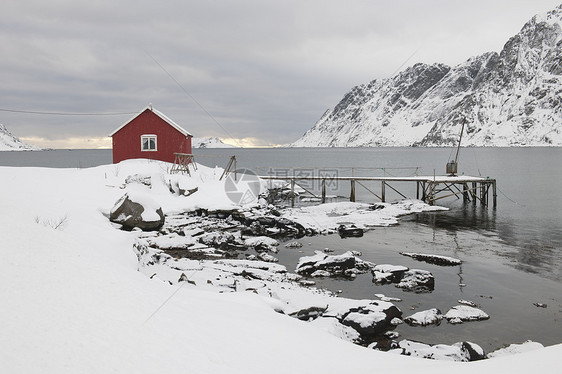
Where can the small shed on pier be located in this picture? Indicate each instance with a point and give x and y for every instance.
(150, 134)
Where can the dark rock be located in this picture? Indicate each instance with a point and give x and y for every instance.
(418, 281)
(322, 264)
(474, 351)
(309, 314)
(350, 231)
(415, 280)
(129, 214)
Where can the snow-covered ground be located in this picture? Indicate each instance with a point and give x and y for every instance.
(74, 300)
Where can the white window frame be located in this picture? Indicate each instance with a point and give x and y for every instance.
(149, 137)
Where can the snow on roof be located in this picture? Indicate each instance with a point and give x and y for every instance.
(159, 114)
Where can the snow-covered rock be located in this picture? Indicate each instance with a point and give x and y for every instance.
(9, 142)
(266, 257)
(371, 319)
(321, 264)
(386, 273)
(134, 210)
(433, 259)
(516, 348)
(464, 351)
(462, 313)
(425, 317)
(508, 99)
(262, 243)
(415, 280)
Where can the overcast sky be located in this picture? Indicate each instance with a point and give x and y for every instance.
(265, 70)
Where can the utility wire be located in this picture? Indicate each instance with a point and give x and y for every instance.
(507, 197)
(193, 98)
(404, 63)
(165, 302)
(64, 113)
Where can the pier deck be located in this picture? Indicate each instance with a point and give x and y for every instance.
(428, 188)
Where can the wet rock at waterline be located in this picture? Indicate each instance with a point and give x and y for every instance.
(350, 231)
(433, 259)
(414, 280)
(425, 318)
(137, 211)
(463, 351)
(461, 313)
(418, 281)
(321, 264)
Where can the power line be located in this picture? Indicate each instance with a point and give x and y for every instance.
(64, 113)
(194, 99)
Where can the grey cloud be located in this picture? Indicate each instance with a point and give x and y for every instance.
(264, 69)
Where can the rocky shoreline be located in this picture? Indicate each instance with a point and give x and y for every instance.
(234, 251)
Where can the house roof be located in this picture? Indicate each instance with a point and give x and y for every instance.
(159, 114)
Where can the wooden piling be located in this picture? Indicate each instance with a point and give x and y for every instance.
(293, 193)
(495, 195)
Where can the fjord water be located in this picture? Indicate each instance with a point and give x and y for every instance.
(512, 255)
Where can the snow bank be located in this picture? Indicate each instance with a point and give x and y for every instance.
(327, 217)
(73, 300)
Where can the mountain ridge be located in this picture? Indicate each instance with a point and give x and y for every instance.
(511, 98)
(9, 142)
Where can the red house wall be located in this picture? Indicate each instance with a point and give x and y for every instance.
(127, 141)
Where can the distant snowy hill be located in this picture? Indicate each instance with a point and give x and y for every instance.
(210, 142)
(9, 142)
(513, 98)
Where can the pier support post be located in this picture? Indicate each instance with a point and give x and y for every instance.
(465, 197)
(474, 193)
(431, 199)
(383, 194)
(352, 193)
(292, 193)
(323, 191)
(417, 189)
(495, 196)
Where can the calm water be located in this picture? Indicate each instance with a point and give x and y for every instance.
(512, 255)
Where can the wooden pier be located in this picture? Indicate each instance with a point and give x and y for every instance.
(428, 188)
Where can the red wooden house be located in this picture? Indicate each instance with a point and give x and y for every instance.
(150, 134)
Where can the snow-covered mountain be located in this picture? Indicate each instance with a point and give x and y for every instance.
(513, 98)
(209, 142)
(9, 142)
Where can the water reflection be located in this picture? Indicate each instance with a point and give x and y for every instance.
(465, 217)
(528, 248)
